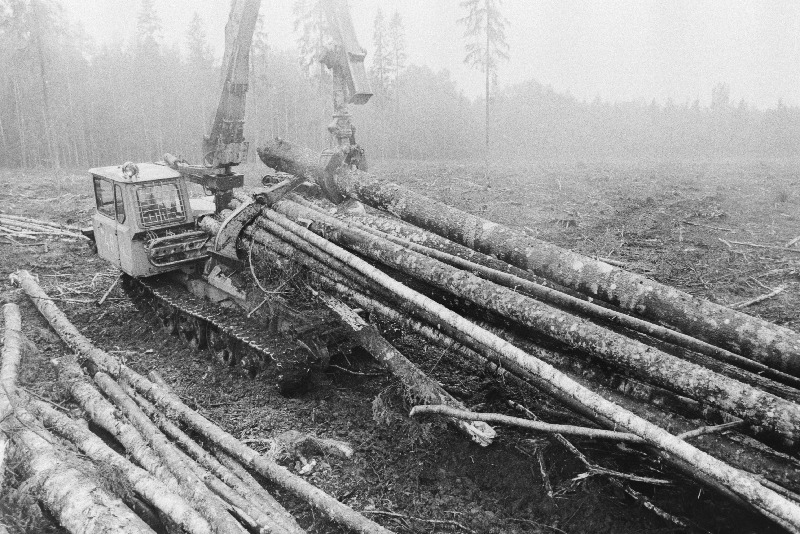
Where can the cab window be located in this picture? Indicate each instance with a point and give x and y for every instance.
(159, 203)
(104, 196)
(119, 204)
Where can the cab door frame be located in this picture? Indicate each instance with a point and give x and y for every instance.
(105, 219)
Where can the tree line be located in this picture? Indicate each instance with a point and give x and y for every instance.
(69, 103)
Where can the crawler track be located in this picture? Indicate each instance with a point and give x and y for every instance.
(259, 344)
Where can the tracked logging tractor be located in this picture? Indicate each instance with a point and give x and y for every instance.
(148, 225)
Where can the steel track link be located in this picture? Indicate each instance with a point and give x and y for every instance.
(228, 334)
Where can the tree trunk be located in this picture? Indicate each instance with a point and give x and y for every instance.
(770, 503)
(419, 386)
(773, 345)
(266, 512)
(666, 370)
(202, 498)
(149, 488)
(58, 479)
(580, 306)
(330, 507)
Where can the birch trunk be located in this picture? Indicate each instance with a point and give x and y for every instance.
(57, 478)
(330, 507)
(149, 488)
(648, 363)
(773, 345)
(775, 506)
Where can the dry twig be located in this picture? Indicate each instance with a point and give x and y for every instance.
(421, 519)
(756, 300)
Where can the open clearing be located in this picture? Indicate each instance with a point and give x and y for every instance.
(674, 222)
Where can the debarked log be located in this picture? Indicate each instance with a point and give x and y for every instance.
(653, 365)
(776, 346)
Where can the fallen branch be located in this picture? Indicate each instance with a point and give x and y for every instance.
(421, 519)
(761, 298)
(417, 383)
(721, 229)
(595, 433)
(612, 474)
(792, 242)
(711, 429)
(109, 290)
(757, 245)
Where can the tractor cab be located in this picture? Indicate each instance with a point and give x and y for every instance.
(144, 223)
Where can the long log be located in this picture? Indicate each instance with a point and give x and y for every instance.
(774, 506)
(692, 380)
(339, 513)
(266, 512)
(148, 487)
(337, 272)
(351, 285)
(740, 451)
(772, 468)
(58, 478)
(489, 270)
(776, 346)
(207, 504)
(162, 463)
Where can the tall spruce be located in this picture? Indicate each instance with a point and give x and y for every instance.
(486, 48)
(397, 64)
(381, 56)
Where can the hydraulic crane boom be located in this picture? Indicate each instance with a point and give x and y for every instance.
(225, 146)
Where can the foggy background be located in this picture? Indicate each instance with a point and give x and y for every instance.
(96, 82)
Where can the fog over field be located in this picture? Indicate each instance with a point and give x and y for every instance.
(91, 81)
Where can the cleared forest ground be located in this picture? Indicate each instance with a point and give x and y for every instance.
(674, 222)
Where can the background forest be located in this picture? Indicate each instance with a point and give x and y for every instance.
(66, 102)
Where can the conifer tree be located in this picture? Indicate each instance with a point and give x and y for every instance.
(486, 47)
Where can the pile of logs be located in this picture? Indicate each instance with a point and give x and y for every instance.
(171, 470)
(711, 391)
(14, 227)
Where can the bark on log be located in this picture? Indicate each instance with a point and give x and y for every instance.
(418, 384)
(217, 516)
(776, 346)
(55, 476)
(738, 450)
(105, 415)
(571, 303)
(266, 512)
(758, 407)
(148, 487)
(770, 503)
(330, 507)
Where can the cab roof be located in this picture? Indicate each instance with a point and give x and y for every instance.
(147, 172)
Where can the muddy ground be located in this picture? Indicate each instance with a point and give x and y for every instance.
(670, 221)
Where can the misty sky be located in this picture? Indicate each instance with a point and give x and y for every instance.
(614, 49)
